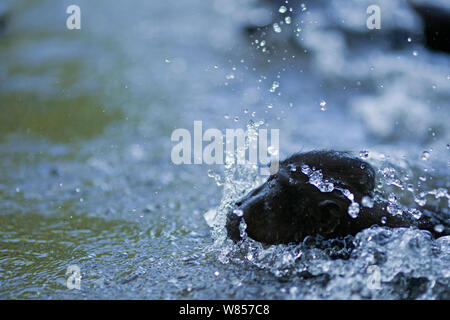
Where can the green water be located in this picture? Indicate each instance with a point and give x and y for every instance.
(73, 191)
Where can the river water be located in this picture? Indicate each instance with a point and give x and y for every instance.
(86, 176)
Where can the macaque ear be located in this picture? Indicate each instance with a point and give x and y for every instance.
(330, 208)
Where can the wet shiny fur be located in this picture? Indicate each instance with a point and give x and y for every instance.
(287, 208)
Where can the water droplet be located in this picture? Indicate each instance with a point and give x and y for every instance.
(364, 154)
(167, 60)
(425, 155)
(439, 228)
(392, 198)
(409, 39)
(415, 213)
(226, 116)
(292, 167)
(236, 119)
(242, 228)
(282, 9)
(216, 273)
(350, 196)
(305, 169)
(276, 28)
(263, 43)
(323, 104)
(420, 199)
(274, 87)
(238, 212)
(287, 20)
(367, 202)
(270, 106)
(415, 53)
(326, 187)
(394, 210)
(353, 210)
(440, 193)
(383, 220)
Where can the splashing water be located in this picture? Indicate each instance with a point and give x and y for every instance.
(377, 263)
(238, 179)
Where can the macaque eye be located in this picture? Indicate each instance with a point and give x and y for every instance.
(330, 207)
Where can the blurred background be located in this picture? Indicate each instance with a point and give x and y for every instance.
(86, 118)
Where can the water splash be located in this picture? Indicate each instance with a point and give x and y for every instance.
(236, 181)
(399, 256)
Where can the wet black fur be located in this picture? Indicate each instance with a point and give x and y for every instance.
(287, 208)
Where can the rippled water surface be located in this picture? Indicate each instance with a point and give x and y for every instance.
(86, 118)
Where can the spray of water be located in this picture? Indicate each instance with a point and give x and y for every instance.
(392, 258)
